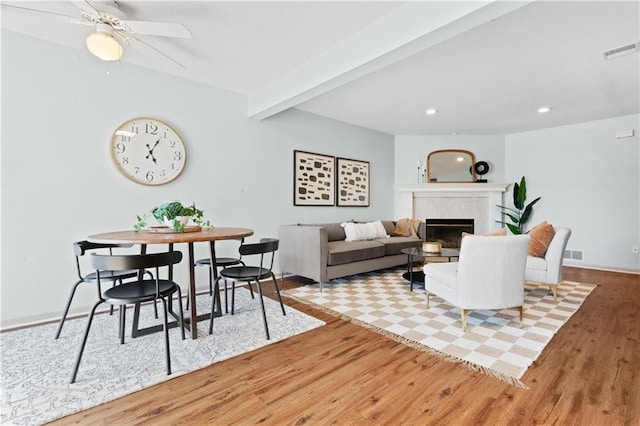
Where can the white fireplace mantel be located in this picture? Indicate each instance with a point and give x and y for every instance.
(454, 188)
(448, 200)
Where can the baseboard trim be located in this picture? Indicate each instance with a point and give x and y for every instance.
(607, 269)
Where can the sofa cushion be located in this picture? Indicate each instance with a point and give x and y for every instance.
(541, 236)
(394, 245)
(335, 232)
(389, 226)
(341, 252)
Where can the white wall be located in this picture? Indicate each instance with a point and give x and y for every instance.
(59, 109)
(589, 181)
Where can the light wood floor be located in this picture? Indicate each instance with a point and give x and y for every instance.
(343, 374)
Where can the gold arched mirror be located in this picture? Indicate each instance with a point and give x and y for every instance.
(451, 165)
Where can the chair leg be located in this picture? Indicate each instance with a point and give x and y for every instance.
(180, 311)
(554, 290)
(113, 284)
(66, 308)
(213, 307)
(464, 313)
(123, 316)
(233, 297)
(84, 342)
(226, 299)
(165, 324)
(264, 315)
(250, 289)
(275, 284)
(428, 297)
(210, 282)
(521, 310)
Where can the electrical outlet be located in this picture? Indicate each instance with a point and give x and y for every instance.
(634, 249)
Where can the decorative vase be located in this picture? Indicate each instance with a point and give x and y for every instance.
(431, 247)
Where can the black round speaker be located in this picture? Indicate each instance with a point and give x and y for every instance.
(481, 167)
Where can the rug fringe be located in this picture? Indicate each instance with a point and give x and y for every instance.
(513, 381)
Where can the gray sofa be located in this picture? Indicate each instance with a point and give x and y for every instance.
(320, 252)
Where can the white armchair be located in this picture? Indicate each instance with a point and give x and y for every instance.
(488, 275)
(547, 270)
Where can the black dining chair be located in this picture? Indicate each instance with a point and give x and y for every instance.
(265, 248)
(135, 292)
(222, 262)
(80, 248)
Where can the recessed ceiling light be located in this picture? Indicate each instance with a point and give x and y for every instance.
(544, 109)
(431, 111)
(460, 159)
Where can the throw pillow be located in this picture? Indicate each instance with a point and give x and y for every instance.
(402, 227)
(407, 227)
(363, 231)
(541, 236)
(380, 230)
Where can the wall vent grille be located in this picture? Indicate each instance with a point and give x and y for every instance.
(573, 254)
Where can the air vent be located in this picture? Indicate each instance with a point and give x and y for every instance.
(573, 254)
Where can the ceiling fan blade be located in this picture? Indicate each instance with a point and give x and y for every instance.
(165, 29)
(85, 6)
(129, 35)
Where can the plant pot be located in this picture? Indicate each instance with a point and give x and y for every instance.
(183, 220)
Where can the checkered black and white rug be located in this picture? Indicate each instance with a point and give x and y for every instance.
(494, 343)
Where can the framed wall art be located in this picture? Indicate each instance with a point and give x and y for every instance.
(313, 179)
(352, 183)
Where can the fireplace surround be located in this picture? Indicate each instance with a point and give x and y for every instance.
(477, 201)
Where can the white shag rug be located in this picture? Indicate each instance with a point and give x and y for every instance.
(36, 368)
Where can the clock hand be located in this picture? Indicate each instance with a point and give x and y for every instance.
(150, 154)
(154, 146)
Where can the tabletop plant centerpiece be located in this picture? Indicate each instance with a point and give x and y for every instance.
(174, 216)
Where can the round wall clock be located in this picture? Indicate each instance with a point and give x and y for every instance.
(148, 151)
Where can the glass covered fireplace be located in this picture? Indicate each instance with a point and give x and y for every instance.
(448, 231)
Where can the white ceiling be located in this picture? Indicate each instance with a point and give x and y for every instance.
(486, 66)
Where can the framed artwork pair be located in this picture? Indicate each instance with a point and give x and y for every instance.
(324, 180)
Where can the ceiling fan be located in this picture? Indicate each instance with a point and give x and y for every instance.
(110, 23)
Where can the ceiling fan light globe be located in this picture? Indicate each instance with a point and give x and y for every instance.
(104, 46)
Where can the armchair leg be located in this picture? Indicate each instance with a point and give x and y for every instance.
(463, 313)
(519, 308)
(428, 296)
(554, 290)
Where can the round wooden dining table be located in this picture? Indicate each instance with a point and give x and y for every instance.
(145, 237)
